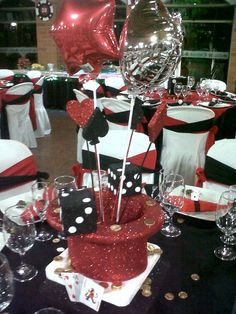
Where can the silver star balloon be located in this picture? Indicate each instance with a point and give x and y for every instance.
(150, 46)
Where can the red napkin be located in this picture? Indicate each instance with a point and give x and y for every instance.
(194, 206)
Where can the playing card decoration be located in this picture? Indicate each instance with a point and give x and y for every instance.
(157, 122)
(97, 126)
(79, 214)
(137, 113)
(150, 46)
(84, 33)
(80, 112)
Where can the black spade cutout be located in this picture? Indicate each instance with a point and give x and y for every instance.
(137, 113)
(96, 126)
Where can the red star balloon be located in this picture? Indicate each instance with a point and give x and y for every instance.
(84, 33)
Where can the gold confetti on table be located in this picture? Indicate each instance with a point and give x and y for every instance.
(56, 240)
(57, 210)
(169, 296)
(116, 286)
(180, 220)
(150, 203)
(195, 277)
(147, 281)
(58, 258)
(147, 292)
(58, 271)
(183, 295)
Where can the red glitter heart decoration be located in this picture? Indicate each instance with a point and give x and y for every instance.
(80, 112)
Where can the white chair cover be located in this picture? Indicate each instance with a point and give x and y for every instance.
(223, 151)
(19, 123)
(183, 153)
(114, 145)
(6, 74)
(42, 119)
(212, 84)
(16, 159)
(34, 75)
(114, 105)
(115, 82)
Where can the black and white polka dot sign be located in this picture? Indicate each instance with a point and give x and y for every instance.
(44, 10)
(79, 214)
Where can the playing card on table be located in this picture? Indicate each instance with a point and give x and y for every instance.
(69, 280)
(91, 294)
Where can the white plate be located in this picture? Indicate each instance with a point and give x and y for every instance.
(205, 195)
(4, 204)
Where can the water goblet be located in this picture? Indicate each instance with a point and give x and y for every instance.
(230, 239)
(160, 90)
(190, 81)
(40, 204)
(49, 310)
(19, 232)
(185, 90)
(178, 90)
(63, 185)
(199, 90)
(6, 283)
(172, 199)
(225, 217)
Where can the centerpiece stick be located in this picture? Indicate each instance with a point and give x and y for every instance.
(129, 136)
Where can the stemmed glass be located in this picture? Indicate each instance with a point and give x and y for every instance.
(172, 199)
(160, 90)
(63, 186)
(225, 217)
(185, 90)
(190, 81)
(6, 283)
(40, 204)
(199, 91)
(178, 90)
(19, 233)
(231, 239)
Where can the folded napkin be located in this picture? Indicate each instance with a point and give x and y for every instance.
(197, 206)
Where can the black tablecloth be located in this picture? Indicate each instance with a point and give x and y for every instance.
(192, 252)
(58, 90)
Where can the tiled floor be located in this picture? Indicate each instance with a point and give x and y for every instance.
(56, 153)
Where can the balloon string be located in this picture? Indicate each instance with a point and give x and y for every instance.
(95, 98)
(90, 162)
(129, 136)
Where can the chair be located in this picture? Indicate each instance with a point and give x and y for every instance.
(79, 95)
(91, 87)
(116, 112)
(42, 119)
(112, 149)
(17, 105)
(187, 134)
(34, 75)
(219, 171)
(114, 85)
(6, 74)
(17, 168)
(216, 84)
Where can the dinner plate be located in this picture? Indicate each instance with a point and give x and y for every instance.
(4, 204)
(204, 195)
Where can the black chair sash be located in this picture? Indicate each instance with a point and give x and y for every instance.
(200, 126)
(10, 181)
(4, 122)
(118, 117)
(226, 124)
(219, 172)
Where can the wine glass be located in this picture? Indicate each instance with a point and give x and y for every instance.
(231, 239)
(225, 217)
(63, 185)
(40, 204)
(172, 199)
(178, 89)
(160, 90)
(6, 283)
(199, 91)
(190, 81)
(19, 232)
(49, 310)
(185, 90)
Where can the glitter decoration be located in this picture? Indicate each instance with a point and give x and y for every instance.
(169, 296)
(195, 277)
(182, 295)
(110, 256)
